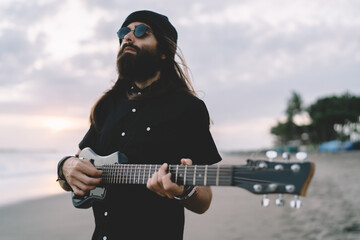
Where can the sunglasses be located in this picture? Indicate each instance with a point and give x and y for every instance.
(139, 31)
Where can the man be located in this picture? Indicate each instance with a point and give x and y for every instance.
(152, 116)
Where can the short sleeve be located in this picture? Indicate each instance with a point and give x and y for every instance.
(200, 146)
(89, 139)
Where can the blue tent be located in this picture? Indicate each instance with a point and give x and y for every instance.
(331, 146)
(336, 146)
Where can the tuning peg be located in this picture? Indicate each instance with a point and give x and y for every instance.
(271, 155)
(301, 156)
(280, 201)
(286, 156)
(265, 202)
(296, 202)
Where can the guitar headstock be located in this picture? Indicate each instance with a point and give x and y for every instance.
(276, 177)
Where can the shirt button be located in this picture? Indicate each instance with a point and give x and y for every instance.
(123, 134)
(148, 129)
(104, 237)
(133, 110)
(105, 214)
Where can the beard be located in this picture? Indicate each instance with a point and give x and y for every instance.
(141, 66)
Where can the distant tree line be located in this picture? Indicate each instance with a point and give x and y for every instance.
(333, 117)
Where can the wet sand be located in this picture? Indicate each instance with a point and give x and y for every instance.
(331, 210)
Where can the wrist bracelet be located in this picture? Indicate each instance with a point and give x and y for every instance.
(188, 192)
(59, 168)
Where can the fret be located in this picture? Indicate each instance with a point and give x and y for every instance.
(126, 173)
(176, 174)
(133, 171)
(118, 173)
(109, 174)
(200, 172)
(138, 180)
(114, 173)
(149, 172)
(194, 178)
(117, 166)
(131, 177)
(144, 174)
(139, 174)
(217, 175)
(122, 173)
(185, 175)
(205, 175)
(119, 170)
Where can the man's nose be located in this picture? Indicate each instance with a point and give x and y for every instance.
(129, 37)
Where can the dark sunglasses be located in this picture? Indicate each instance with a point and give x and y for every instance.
(139, 31)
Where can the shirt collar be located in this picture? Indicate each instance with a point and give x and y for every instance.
(134, 89)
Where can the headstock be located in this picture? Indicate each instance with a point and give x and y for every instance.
(276, 177)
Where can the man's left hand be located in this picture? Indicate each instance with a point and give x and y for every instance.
(161, 183)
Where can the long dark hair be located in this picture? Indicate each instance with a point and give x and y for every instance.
(174, 76)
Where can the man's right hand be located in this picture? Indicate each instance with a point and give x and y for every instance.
(81, 175)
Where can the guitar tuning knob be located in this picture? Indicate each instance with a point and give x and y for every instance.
(265, 202)
(280, 201)
(301, 156)
(286, 156)
(296, 202)
(271, 155)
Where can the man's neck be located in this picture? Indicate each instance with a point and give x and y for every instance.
(148, 82)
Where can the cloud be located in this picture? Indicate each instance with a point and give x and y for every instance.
(57, 57)
(282, 15)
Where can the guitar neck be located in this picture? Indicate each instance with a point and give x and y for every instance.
(201, 175)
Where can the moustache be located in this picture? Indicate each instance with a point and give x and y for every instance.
(137, 49)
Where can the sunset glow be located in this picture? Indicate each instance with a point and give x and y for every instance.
(57, 124)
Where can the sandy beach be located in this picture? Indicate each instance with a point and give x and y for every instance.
(330, 210)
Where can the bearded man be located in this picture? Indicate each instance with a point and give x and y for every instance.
(151, 115)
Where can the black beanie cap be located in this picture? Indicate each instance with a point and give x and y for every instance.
(158, 22)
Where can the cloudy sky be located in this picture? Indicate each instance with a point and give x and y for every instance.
(246, 57)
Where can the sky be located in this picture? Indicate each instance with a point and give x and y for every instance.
(245, 57)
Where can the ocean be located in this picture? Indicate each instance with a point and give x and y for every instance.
(27, 174)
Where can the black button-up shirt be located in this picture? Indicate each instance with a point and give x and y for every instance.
(163, 128)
